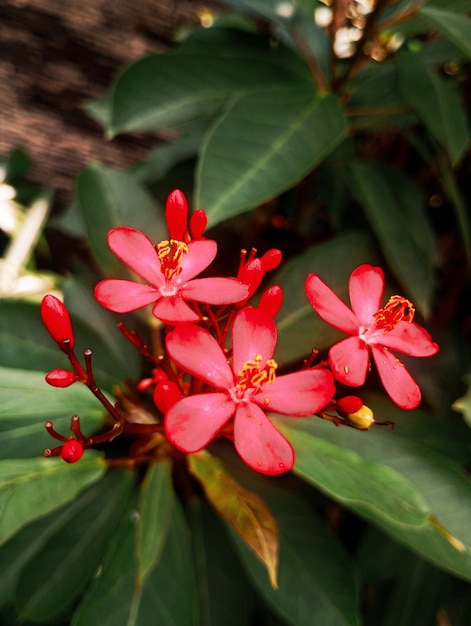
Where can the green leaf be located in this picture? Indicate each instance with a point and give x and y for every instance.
(463, 405)
(374, 491)
(264, 144)
(299, 328)
(108, 199)
(30, 488)
(436, 480)
(155, 508)
(224, 592)
(167, 597)
(54, 579)
(244, 510)
(165, 90)
(26, 401)
(317, 584)
(437, 103)
(453, 25)
(387, 199)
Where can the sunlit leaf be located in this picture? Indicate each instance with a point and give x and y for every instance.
(244, 510)
(276, 137)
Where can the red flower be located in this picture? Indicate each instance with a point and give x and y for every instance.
(246, 390)
(374, 329)
(56, 319)
(169, 268)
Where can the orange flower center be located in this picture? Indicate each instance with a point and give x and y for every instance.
(252, 376)
(171, 254)
(397, 309)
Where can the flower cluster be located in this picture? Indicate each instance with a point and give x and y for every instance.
(217, 376)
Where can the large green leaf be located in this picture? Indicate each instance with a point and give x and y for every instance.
(317, 584)
(437, 103)
(454, 25)
(55, 577)
(108, 199)
(224, 592)
(299, 328)
(388, 198)
(164, 90)
(27, 401)
(265, 143)
(435, 479)
(30, 488)
(155, 509)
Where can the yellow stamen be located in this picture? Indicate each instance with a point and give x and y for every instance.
(252, 377)
(171, 254)
(396, 310)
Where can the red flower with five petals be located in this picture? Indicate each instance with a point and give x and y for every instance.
(374, 329)
(169, 269)
(245, 391)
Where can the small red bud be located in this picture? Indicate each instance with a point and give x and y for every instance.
(271, 259)
(57, 320)
(176, 215)
(355, 412)
(271, 300)
(61, 378)
(166, 394)
(198, 223)
(72, 451)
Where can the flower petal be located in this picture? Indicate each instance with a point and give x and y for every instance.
(349, 361)
(136, 251)
(201, 253)
(215, 290)
(329, 306)
(123, 296)
(366, 287)
(409, 339)
(196, 351)
(174, 310)
(253, 332)
(399, 384)
(194, 421)
(298, 394)
(259, 444)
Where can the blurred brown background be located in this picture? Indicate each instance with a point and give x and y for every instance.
(55, 54)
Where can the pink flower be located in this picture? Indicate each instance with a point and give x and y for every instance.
(245, 391)
(374, 329)
(169, 269)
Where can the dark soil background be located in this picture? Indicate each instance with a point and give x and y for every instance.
(54, 55)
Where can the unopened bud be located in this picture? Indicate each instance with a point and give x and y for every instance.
(72, 451)
(166, 394)
(271, 300)
(198, 223)
(57, 320)
(61, 378)
(176, 215)
(355, 412)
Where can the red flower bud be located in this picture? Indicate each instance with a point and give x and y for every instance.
(56, 319)
(61, 378)
(271, 259)
(271, 300)
(176, 215)
(72, 451)
(198, 223)
(166, 394)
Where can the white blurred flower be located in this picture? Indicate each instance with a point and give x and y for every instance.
(8, 207)
(323, 16)
(344, 41)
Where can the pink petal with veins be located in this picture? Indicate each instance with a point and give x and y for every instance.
(366, 287)
(329, 306)
(409, 339)
(349, 361)
(214, 290)
(260, 445)
(197, 352)
(123, 296)
(136, 251)
(297, 394)
(399, 384)
(174, 310)
(194, 421)
(253, 332)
